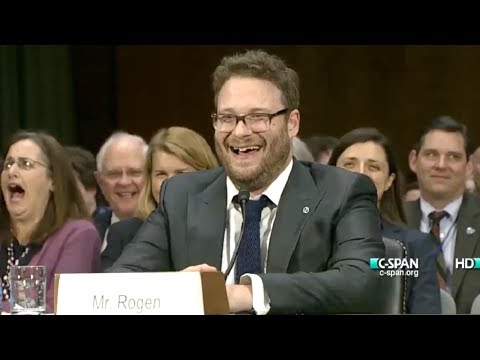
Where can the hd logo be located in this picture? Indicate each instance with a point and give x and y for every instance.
(467, 263)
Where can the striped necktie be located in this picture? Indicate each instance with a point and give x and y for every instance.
(443, 274)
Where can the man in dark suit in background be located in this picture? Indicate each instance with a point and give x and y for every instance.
(441, 162)
(310, 230)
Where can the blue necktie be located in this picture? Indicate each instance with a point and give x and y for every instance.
(248, 260)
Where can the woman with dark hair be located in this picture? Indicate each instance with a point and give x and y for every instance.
(368, 151)
(43, 215)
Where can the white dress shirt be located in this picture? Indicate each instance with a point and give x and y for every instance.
(448, 227)
(261, 301)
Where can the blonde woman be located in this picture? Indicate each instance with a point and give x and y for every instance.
(171, 152)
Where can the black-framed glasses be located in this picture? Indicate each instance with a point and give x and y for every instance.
(23, 163)
(256, 122)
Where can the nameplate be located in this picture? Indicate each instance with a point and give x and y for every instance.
(162, 293)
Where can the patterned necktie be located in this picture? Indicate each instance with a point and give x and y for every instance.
(442, 270)
(248, 260)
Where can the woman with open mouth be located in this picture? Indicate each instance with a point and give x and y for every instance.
(43, 217)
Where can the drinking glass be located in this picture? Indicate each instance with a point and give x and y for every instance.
(27, 290)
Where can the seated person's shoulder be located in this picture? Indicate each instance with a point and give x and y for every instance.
(126, 224)
(102, 214)
(78, 225)
(418, 241)
(79, 228)
(75, 232)
(415, 235)
(102, 210)
(474, 197)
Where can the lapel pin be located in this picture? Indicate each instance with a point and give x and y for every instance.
(306, 210)
(470, 230)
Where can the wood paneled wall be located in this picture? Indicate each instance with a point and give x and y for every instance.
(394, 88)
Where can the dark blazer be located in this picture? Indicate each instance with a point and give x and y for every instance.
(119, 235)
(326, 230)
(102, 218)
(465, 283)
(423, 292)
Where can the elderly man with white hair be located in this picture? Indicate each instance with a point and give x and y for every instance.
(120, 175)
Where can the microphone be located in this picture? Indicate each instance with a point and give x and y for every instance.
(242, 198)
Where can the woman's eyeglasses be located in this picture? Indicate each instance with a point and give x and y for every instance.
(22, 163)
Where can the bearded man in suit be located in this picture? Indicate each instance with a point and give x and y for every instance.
(310, 229)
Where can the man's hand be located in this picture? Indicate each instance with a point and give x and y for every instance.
(201, 268)
(239, 298)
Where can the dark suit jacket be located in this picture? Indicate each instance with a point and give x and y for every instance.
(119, 235)
(423, 293)
(318, 261)
(102, 218)
(465, 283)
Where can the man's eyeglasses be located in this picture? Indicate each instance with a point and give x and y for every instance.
(22, 163)
(256, 122)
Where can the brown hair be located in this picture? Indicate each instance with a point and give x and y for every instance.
(391, 207)
(261, 65)
(187, 145)
(447, 124)
(66, 202)
(84, 164)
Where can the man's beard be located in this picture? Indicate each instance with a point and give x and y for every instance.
(272, 164)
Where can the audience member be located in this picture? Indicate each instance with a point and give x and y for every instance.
(321, 147)
(369, 152)
(83, 162)
(301, 150)
(171, 151)
(440, 160)
(42, 213)
(120, 176)
(473, 184)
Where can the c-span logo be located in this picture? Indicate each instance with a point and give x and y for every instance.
(467, 263)
(393, 263)
(395, 266)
